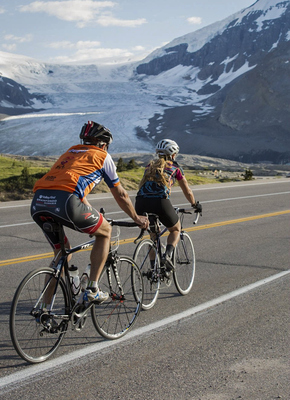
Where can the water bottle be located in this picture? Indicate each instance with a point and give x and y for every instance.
(74, 279)
(85, 278)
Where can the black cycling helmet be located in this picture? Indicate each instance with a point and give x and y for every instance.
(94, 130)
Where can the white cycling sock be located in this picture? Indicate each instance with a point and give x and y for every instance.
(93, 284)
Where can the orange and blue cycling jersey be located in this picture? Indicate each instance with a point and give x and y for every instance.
(79, 170)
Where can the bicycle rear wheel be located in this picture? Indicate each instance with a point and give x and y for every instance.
(116, 316)
(151, 280)
(184, 261)
(36, 335)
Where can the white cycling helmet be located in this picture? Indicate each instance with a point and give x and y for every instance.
(167, 147)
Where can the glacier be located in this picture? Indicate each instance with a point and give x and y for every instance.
(115, 95)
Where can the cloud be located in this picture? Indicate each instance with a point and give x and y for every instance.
(82, 12)
(68, 45)
(65, 44)
(138, 48)
(93, 55)
(87, 44)
(9, 47)
(2, 11)
(19, 39)
(107, 20)
(90, 52)
(194, 20)
(101, 53)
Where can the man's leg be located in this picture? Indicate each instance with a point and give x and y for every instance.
(99, 256)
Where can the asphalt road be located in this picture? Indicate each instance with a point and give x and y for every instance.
(227, 339)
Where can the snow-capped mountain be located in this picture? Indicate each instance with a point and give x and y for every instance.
(221, 91)
(227, 45)
(240, 69)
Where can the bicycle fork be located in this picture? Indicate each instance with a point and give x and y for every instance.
(45, 317)
(182, 254)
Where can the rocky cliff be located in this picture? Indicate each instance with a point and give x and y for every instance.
(244, 66)
(15, 98)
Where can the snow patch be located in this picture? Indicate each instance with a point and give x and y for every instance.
(270, 14)
(228, 60)
(227, 77)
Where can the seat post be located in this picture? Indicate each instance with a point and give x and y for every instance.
(61, 239)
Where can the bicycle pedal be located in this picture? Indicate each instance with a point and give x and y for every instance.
(168, 281)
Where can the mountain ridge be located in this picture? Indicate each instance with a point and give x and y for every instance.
(249, 119)
(211, 90)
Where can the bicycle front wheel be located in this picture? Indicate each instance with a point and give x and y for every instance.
(144, 253)
(113, 318)
(184, 261)
(35, 333)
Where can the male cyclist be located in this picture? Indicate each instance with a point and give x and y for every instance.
(62, 193)
(154, 195)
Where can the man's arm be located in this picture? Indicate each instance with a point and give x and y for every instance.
(124, 202)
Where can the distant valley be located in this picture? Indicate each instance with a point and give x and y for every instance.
(222, 91)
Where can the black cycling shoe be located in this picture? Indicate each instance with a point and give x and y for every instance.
(167, 263)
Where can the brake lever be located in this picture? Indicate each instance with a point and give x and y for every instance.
(141, 234)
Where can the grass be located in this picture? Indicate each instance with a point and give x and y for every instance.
(12, 167)
(18, 175)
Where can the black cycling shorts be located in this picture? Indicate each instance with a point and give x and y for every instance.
(65, 208)
(162, 207)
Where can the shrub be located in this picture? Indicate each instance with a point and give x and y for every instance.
(248, 175)
(132, 164)
(122, 166)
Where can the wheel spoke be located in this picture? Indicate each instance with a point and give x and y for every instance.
(114, 317)
(35, 334)
(144, 253)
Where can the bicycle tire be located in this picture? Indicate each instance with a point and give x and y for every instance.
(32, 341)
(151, 281)
(115, 317)
(184, 261)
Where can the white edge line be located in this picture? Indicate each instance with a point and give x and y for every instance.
(52, 364)
(173, 191)
(178, 205)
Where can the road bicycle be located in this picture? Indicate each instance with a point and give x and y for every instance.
(37, 332)
(148, 254)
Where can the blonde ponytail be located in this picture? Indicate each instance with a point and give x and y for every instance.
(155, 172)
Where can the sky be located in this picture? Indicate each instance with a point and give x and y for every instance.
(103, 32)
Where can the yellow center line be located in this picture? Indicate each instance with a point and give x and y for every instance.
(237, 221)
(131, 240)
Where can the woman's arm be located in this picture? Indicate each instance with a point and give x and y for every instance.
(187, 191)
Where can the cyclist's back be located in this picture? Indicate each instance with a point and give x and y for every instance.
(62, 193)
(159, 177)
(78, 170)
(155, 189)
